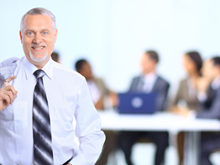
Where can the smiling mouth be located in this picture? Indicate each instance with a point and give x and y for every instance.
(38, 48)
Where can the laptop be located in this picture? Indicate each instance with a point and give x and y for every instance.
(137, 103)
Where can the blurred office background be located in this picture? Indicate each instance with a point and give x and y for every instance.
(113, 34)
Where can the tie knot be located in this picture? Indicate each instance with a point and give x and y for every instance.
(39, 73)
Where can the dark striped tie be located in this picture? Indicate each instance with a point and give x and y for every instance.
(43, 154)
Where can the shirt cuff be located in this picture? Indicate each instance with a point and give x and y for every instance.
(202, 97)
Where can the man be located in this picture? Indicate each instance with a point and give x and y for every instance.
(209, 96)
(210, 107)
(148, 82)
(99, 93)
(36, 128)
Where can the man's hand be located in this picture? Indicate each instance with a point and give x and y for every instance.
(7, 94)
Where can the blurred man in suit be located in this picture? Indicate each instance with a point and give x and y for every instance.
(209, 96)
(102, 97)
(148, 81)
(210, 107)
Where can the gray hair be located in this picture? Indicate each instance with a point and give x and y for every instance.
(39, 11)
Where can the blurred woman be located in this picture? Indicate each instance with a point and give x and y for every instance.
(186, 97)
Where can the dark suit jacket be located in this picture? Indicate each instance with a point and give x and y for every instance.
(211, 107)
(161, 87)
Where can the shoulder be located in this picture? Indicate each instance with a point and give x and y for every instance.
(136, 78)
(100, 82)
(66, 73)
(98, 79)
(161, 80)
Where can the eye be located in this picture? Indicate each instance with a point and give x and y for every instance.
(30, 33)
(44, 33)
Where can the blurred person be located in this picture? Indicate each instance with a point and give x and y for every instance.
(187, 92)
(55, 56)
(186, 96)
(99, 93)
(209, 96)
(148, 81)
(97, 87)
(40, 101)
(210, 107)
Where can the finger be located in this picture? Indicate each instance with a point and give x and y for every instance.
(12, 89)
(6, 99)
(10, 95)
(8, 80)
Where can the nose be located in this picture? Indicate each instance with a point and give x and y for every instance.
(37, 38)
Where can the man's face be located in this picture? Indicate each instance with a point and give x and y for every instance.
(38, 39)
(208, 70)
(86, 71)
(147, 64)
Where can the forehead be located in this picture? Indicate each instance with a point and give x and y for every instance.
(187, 58)
(86, 65)
(37, 21)
(145, 57)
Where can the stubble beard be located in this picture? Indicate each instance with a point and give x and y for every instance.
(37, 59)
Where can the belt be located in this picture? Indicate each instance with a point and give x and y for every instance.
(68, 161)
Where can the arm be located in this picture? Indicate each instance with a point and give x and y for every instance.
(105, 91)
(178, 95)
(88, 129)
(213, 112)
(162, 96)
(133, 86)
(7, 94)
(112, 96)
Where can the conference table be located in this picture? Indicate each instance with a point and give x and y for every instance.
(163, 121)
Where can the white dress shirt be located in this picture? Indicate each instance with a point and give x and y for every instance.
(68, 99)
(149, 81)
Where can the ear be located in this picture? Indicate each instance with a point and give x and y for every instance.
(55, 35)
(20, 36)
(154, 62)
(218, 68)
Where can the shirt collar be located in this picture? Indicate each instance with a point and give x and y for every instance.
(30, 68)
(151, 76)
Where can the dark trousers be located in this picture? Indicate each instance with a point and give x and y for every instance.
(128, 139)
(109, 146)
(180, 144)
(210, 141)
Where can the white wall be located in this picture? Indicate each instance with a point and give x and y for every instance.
(112, 34)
